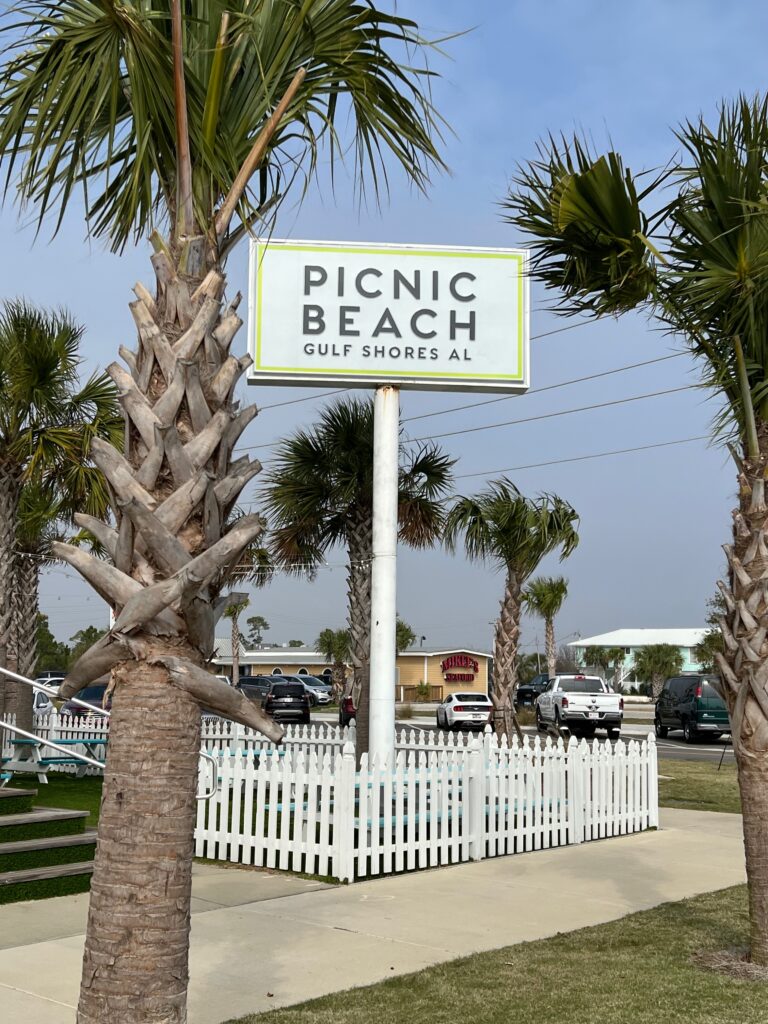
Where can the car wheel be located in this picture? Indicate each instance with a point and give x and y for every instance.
(539, 722)
(661, 730)
(689, 733)
(558, 724)
(306, 720)
(613, 734)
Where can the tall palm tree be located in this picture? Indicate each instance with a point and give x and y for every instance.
(47, 420)
(655, 663)
(188, 125)
(320, 493)
(544, 596)
(697, 260)
(233, 611)
(503, 527)
(334, 645)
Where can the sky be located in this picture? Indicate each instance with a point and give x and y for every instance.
(652, 522)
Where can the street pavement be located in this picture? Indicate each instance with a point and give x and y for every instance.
(262, 940)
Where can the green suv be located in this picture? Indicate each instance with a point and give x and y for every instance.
(691, 703)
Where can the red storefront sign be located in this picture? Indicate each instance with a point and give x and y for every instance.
(459, 661)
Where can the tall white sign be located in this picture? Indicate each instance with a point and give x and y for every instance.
(426, 317)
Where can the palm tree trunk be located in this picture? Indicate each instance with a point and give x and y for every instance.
(360, 552)
(744, 672)
(25, 634)
(338, 678)
(657, 685)
(171, 554)
(505, 658)
(135, 963)
(235, 651)
(10, 488)
(549, 641)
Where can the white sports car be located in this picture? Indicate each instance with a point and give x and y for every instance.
(464, 710)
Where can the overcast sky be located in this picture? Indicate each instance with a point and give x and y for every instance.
(651, 522)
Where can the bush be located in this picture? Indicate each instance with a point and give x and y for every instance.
(405, 712)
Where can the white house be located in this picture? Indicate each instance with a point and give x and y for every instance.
(633, 640)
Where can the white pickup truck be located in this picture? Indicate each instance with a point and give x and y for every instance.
(582, 703)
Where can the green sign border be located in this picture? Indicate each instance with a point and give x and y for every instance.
(375, 251)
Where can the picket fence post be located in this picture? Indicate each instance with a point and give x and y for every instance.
(475, 791)
(344, 815)
(652, 793)
(576, 768)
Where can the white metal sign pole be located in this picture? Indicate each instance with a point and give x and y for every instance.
(386, 446)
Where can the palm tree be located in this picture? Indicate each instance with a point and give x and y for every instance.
(696, 260)
(334, 645)
(544, 596)
(606, 659)
(233, 610)
(657, 662)
(404, 635)
(47, 420)
(320, 493)
(514, 533)
(188, 125)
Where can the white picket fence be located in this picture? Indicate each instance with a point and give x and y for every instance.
(305, 811)
(446, 798)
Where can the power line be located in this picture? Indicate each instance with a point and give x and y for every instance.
(584, 458)
(551, 415)
(538, 391)
(530, 419)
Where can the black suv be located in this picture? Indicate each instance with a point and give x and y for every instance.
(528, 692)
(691, 703)
(288, 702)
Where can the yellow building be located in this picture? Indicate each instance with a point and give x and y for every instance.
(440, 670)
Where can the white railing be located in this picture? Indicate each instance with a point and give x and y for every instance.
(305, 811)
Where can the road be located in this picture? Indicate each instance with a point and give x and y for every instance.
(673, 748)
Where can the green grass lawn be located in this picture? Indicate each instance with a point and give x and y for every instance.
(699, 786)
(66, 791)
(636, 970)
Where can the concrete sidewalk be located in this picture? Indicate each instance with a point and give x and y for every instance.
(251, 929)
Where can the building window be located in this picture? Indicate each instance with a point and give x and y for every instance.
(327, 672)
(302, 672)
(277, 671)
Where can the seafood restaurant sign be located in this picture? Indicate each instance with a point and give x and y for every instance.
(423, 317)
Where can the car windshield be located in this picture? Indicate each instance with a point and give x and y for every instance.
(584, 685)
(93, 694)
(288, 690)
(477, 697)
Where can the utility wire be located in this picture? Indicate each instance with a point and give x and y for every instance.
(550, 415)
(538, 391)
(584, 458)
(527, 419)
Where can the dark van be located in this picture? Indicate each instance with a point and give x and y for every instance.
(691, 703)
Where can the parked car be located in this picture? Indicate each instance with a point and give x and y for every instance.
(582, 704)
(528, 692)
(347, 710)
(319, 689)
(464, 710)
(93, 695)
(691, 703)
(288, 702)
(42, 703)
(255, 688)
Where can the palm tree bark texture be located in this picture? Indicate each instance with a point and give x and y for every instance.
(744, 669)
(505, 661)
(10, 488)
(169, 555)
